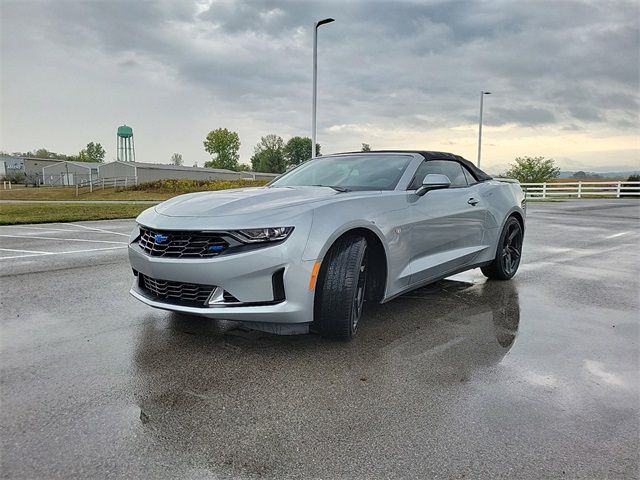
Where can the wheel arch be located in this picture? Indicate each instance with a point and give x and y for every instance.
(378, 276)
(518, 216)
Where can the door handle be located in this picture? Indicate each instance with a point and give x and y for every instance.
(473, 201)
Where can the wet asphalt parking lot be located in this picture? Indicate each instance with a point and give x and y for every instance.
(533, 378)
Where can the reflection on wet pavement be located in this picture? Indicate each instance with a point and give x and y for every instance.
(532, 378)
(258, 402)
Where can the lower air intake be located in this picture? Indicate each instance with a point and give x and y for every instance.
(176, 292)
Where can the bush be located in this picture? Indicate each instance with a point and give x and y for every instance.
(533, 170)
(186, 185)
(630, 188)
(14, 177)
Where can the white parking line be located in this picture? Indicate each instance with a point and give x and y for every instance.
(64, 239)
(61, 253)
(71, 230)
(618, 235)
(98, 229)
(22, 251)
(42, 228)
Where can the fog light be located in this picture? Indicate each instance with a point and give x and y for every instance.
(217, 296)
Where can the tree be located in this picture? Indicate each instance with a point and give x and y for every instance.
(176, 159)
(366, 147)
(298, 150)
(268, 155)
(92, 153)
(224, 144)
(533, 169)
(44, 153)
(631, 187)
(585, 175)
(243, 167)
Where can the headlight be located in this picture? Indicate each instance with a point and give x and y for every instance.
(272, 234)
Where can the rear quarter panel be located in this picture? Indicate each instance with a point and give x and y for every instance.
(502, 199)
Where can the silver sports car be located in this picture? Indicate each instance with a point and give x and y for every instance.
(312, 246)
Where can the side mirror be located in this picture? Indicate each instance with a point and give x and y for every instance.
(433, 181)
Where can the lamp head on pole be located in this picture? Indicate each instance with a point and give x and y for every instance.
(486, 93)
(325, 21)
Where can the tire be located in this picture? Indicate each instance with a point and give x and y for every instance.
(341, 288)
(508, 254)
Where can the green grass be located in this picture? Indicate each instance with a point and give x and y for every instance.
(13, 214)
(158, 190)
(66, 193)
(179, 186)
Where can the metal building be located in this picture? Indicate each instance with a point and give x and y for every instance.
(67, 173)
(29, 167)
(148, 172)
(12, 164)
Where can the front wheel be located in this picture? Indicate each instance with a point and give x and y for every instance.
(340, 291)
(509, 252)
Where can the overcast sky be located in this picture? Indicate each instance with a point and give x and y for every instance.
(564, 76)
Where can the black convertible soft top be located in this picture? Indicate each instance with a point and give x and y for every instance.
(428, 155)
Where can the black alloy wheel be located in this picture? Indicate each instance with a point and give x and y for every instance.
(509, 252)
(512, 248)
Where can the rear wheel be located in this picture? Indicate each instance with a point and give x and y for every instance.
(509, 252)
(341, 288)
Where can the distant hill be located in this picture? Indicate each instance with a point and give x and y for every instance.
(604, 175)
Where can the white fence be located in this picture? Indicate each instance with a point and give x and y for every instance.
(582, 189)
(101, 183)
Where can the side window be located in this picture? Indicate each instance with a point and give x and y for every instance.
(470, 178)
(423, 171)
(453, 170)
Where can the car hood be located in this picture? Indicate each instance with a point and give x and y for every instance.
(242, 201)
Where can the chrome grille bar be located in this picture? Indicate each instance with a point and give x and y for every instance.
(182, 244)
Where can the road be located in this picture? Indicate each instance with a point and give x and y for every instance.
(532, 378)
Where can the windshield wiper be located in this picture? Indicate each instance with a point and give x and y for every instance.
(337, 189)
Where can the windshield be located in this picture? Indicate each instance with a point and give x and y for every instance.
(348, 172)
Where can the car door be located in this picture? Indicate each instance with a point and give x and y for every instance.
(447, 225)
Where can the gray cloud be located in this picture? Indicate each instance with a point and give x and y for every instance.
(522, 115)
(402, 64)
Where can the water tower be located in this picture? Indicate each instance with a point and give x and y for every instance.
(126, 149)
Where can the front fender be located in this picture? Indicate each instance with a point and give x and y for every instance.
(323, 235)
(382, 216)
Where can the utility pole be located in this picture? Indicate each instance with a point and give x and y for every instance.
(315, 82)
(482, 94)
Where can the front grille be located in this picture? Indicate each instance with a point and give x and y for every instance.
(181, 244)
(176, 292)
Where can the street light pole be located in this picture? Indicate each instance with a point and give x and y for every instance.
(482, 94)
(315, 82)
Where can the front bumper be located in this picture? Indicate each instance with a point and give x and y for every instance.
(248, 276)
